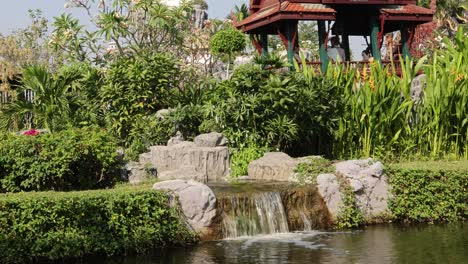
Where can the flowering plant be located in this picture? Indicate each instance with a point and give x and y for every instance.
(31, 132)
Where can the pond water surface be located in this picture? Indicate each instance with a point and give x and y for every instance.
(375, 244)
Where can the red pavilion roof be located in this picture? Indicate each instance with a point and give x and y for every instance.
(284, 11)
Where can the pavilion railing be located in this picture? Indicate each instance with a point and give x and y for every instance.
(6, 97)
(316, 65)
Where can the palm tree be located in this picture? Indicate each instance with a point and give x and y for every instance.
(241, 12)
(48, 103)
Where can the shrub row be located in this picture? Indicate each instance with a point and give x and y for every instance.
(428, 193)
(49, 226)
(74, 159)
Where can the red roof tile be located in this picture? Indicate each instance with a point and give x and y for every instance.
(406, 10)
(286, 7)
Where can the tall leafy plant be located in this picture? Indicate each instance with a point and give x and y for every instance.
(136, 87)
(47, 104)
(443, 125)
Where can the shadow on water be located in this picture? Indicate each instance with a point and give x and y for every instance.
(375, 244)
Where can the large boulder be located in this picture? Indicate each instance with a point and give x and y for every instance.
(198, 203)
(329, 189)
(367, 179)
(212, 163)
(273, 166)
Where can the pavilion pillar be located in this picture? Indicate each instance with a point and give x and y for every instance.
(374, 39)
(264, 43)
(322, 51)
(405, 50)
(291, 37)
(346, 47)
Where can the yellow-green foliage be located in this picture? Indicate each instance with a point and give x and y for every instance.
(48, 226)
(429, 191)
(381, 119)
(443, 124)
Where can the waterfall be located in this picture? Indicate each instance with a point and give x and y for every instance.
(306, 220)
(259, 210)
(262, 213)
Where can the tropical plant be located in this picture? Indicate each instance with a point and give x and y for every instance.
(442, 125)
(241, 12)
(42, 101)
(228, 41)
(137, 87)
(138, 27)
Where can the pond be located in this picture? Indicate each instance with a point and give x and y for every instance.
(375, 244)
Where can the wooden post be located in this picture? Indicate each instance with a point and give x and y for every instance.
(264, 41)
(374, 39)
(405, 51)
(322, 51)
(346, 47)
(290, 45)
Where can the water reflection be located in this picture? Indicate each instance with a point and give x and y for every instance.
(377, 244)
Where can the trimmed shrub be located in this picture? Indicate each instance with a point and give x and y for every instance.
(428, 193)
(51, 226)
(68, 160)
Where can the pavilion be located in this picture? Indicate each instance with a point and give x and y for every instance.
(373, 18)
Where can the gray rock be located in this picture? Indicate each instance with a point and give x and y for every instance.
(161, 114)
(178, 138)
(273, 166)
(184, 173)
(368, 179)
(417, 88)
(212, 163)
(210, 140)
(329, 189)
(138, 173)
(197, 200)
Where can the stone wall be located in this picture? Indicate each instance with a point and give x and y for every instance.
(204, 160)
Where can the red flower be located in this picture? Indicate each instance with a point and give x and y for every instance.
(32, 132)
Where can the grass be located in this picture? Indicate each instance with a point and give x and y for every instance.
(461, 165)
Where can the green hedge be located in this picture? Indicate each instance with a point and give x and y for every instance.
(429, 191)
(49, 226)
(73, 159)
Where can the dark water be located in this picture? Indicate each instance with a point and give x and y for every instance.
(375, 244)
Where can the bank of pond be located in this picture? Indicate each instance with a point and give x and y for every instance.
(256, 223)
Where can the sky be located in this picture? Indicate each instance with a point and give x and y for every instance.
(14, 13)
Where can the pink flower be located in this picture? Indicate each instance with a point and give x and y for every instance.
(32, 132)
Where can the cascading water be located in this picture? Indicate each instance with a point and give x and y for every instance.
(263, 213)
(271, 211)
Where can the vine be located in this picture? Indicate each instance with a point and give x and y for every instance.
(349, 215)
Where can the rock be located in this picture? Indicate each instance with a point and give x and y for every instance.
(329, 189)
(197, 200)
(369, 183)
(417, 88)
(178, 138)
(184, 173)
(273, 166)
(368, 180)
(210, 140)
(161, 114)
(138, 173)
(211, 162)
